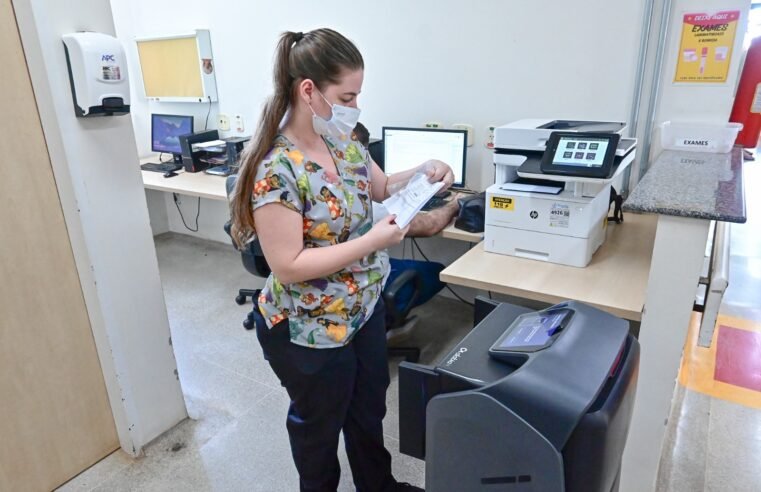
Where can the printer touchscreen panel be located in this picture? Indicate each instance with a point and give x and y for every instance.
(580, 154)
(581, 151)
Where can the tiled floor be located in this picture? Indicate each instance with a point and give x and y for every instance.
(236, 438)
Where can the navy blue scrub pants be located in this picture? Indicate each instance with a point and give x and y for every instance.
(332, 390)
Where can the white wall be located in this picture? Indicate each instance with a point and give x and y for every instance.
(105, 210)
(483, 63)
(700, 102)
(687, 102)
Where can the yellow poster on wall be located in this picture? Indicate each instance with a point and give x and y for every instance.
(706, 47)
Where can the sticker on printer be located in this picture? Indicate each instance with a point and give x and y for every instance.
(503, 203)
(560, 215)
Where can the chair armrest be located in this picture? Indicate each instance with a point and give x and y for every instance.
(390, 292)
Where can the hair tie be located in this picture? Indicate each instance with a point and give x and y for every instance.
(297, 37)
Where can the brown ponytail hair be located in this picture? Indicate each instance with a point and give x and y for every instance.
(321, 56)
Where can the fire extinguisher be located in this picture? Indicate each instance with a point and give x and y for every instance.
(747, 107)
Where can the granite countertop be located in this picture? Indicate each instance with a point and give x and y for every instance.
(693, 184)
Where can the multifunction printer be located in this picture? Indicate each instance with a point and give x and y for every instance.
(552, 188)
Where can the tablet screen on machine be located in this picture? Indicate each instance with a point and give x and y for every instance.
(533, 331)
(580, 154)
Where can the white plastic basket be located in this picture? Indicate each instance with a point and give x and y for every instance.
(699, 137)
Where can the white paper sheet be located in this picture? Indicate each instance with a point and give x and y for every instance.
(410, 200)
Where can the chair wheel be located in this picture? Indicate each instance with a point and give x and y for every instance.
(248, 324)
(240, 299)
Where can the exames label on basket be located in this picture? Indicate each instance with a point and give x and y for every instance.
(406, 203)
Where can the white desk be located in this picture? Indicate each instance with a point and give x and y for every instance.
(213, 187)
(191, 184)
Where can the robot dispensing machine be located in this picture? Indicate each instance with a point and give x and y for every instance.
(527, 401)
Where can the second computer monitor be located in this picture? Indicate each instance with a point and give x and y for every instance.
(166, 130)
(406, 148)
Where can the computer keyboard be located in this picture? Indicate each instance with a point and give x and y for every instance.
(434, 202)
(467, 191)
(162, 167)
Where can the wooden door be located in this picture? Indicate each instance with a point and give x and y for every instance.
(55, 418)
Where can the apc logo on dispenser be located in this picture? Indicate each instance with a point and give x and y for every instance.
(108, 58)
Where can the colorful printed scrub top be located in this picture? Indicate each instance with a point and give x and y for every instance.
(323, 312)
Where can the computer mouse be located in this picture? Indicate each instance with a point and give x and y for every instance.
(170, 174)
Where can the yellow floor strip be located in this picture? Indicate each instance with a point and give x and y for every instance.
(698, 364)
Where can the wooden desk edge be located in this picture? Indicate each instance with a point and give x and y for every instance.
(534, 296)
(631, 310)
(182, 191)
(451, 232)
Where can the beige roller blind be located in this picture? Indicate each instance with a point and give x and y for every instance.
(170, 67)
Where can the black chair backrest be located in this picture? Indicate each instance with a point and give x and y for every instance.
(252, 255)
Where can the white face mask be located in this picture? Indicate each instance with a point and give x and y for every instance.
(341, 123)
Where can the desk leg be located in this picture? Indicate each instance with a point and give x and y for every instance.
(674, 273)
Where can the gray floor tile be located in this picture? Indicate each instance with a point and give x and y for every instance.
(98, 474)
(171, 463)
(242, 355)
(683, 463)
(734, 448)
(212, 386)
(253, 454)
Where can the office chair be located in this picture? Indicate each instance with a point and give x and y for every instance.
(400, 295)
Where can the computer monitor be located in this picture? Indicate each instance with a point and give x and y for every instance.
(405, 148)
(166, 130)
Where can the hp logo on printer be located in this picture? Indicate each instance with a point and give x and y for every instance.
(107, 58)
(534, 214)
(456, 356)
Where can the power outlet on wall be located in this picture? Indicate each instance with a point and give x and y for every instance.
(239, 126)
(489, 144)
(468, 128)
(223, 122)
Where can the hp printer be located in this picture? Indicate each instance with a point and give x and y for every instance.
(527, 401)
(550, 202)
